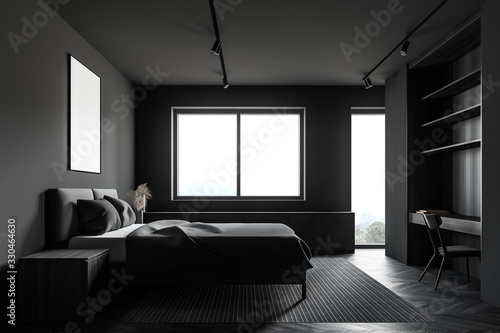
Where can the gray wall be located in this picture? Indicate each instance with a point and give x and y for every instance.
(490, 288)
(396, 210)
(328, 137)
(34, 120)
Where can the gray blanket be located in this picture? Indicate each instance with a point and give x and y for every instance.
(168, 245)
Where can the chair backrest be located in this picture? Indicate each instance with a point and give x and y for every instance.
(433, 222)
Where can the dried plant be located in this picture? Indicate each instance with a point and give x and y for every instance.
(137, 198)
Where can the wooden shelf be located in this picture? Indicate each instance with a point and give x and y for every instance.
(468, 81)
(463, 114)
(460, 223)
(455, 147)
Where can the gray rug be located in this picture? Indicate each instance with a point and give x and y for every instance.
(337, 291)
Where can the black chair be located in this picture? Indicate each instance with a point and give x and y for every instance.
(433, 222)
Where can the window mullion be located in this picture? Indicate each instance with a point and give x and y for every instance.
(175, 151)
(238, 155)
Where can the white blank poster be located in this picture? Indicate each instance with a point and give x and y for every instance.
(85, 119)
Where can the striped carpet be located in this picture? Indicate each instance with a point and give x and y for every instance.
(337, 291)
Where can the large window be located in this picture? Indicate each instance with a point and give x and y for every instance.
(238, 153)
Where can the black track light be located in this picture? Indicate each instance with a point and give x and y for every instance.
(405, 42)
(216, 48)
(368, 83)
(404, 49)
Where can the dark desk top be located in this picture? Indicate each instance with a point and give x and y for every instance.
(459, 223)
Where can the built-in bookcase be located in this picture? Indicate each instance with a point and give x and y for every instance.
(444, 125)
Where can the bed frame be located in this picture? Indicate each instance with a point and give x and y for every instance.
(61, 224)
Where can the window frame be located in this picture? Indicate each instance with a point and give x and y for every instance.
(301, 111)
(366, 111)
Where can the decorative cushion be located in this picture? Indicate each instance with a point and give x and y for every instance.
(97, 216)
(99, 193)
(127, 214)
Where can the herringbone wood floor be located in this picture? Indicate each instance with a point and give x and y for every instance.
(456, 306)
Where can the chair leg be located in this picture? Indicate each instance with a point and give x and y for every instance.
(467, 262)
(304, 291)
(427, 267)
(439, 274)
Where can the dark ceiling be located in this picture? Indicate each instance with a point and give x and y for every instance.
(265, 42)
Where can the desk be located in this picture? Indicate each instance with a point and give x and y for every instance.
(464, 224)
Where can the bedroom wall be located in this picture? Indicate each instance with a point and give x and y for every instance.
(34, 120)
(490, 269)
(328, 136)
(396, 210)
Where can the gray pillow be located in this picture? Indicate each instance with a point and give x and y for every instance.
(97, 216)
(126, 213)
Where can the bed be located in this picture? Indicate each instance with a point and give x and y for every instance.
(177, 251)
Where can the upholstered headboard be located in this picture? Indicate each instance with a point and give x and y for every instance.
(61, 218)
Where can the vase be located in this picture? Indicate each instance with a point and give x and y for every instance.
(139, 216)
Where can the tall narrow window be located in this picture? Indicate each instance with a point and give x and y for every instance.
(368, 175)
(238, 153)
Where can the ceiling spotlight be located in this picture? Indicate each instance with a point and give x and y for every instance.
(225, 84)
(216, 48)
(404, 49)
(368, 83)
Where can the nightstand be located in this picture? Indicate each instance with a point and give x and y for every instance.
(54, 283)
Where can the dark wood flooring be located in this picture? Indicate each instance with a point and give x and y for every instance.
(456, 306)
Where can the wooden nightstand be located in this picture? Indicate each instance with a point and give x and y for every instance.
(53, 283)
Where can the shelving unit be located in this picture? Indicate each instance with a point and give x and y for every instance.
(444, 94)
(443, 146)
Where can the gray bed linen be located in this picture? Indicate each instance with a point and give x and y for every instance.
(166, 245)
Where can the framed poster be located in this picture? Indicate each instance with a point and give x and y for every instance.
(84, 118)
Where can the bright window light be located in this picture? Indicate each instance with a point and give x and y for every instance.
(206, 155)
(270, 155)
(238, 154)
(368, 177)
